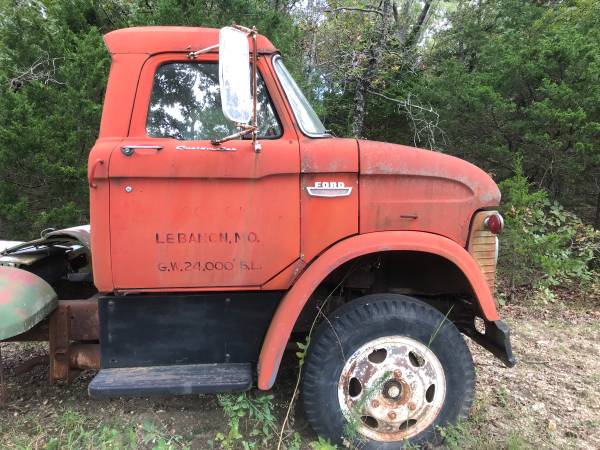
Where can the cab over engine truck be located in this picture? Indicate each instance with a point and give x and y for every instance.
(228, 224)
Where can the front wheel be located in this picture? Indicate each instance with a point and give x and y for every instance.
(386, 370)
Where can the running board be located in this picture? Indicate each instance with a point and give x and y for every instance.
(171, 380)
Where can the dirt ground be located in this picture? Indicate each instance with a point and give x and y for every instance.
(551, 399)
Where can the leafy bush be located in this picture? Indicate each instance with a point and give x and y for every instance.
(543, 245)
(250, 420)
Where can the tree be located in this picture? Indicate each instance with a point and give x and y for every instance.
(53, 71)
(362, 59)
(514, 78)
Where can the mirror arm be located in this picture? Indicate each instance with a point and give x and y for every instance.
(243, 28)
(244, 132)
(194, 55)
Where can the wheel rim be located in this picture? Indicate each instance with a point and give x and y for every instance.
(392, 388)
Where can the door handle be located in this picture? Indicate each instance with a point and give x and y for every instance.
(129, 150)
(92, 172)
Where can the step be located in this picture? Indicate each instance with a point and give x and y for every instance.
(171, 380)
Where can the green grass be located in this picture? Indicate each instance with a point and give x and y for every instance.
(249, 424)
(464, 436)
(73, 431)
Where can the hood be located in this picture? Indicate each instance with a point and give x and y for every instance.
(407, 188)
(393, 159)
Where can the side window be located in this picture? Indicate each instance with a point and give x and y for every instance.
(186, 104)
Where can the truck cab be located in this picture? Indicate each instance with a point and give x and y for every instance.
(227, 224)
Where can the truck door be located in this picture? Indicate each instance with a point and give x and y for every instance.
(185, 213)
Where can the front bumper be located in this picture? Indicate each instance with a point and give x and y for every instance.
(495, 339)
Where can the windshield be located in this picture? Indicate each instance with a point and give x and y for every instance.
(305, 115)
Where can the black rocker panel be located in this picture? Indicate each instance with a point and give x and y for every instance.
(155, 330)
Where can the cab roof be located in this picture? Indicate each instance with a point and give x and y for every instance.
(151, 40)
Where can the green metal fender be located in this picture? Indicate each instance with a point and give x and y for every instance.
(25, 299)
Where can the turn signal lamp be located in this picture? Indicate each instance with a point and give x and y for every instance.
(494, 223)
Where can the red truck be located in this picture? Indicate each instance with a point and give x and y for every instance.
(228, 224)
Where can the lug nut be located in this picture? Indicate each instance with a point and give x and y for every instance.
(392, 415)
(374, 403)
(412, 406)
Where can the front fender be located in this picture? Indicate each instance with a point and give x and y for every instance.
(25, 300)
(291, 306)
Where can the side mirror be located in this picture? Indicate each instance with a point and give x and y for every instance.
(234, 75)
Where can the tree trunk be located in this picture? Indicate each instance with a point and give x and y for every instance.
(413, 37)
(402, 19)
(374, 54)
(597, 218)
(310, 50)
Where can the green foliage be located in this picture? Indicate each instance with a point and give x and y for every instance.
(322, 444)
(506, 79)
(158, 439)
(68, 429)
(464, 436)
(301, 355)
(543, 244)
(250, 421)
(53, 71)
(76, 432)
(514, 78)
(49, 118)
(251, 424)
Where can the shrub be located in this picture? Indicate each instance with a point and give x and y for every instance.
(543, 245)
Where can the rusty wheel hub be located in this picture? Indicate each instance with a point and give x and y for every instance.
(392, 388)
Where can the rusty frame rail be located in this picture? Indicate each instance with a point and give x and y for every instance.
(73, 333)
(3, 394)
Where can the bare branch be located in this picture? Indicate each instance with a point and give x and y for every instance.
(424, 120)
(349, 8)
(43, 69)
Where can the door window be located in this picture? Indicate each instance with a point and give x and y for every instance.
(186, 104)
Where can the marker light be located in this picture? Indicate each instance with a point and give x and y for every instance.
(494, 223)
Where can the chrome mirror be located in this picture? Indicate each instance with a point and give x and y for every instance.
(234, 75)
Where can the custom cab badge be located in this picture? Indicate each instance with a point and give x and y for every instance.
(329, 189)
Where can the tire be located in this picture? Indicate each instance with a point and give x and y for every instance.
(386, 399)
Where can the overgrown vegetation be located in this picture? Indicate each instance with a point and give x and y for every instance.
(74, 431)
(248, 412)
(489, 81)
(462, 436)
(512, 86)
(544, 245)
(250, 421)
